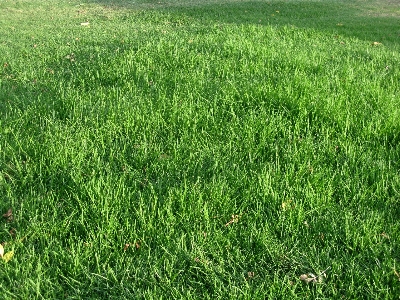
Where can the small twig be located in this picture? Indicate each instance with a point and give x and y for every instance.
(323, 272)
(396, 273)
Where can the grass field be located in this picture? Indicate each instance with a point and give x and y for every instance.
(214, 149)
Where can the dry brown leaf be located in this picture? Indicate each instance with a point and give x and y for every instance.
(311, 278)
(307, 278)
(384, 235)
(13, 232)
(8, 215)
(234, 219)
(137, 244)
(126, 247)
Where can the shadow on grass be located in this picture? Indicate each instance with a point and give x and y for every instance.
(350, 19)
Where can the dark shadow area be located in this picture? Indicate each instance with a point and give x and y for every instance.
(342, 18)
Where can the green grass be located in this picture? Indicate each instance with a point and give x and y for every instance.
(234, 145)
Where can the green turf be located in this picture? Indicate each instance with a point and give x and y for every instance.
(200, 149)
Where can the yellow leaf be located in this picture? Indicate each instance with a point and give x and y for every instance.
(8, 256)
(1, 250)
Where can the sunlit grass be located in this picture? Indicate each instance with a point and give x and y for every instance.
(214, 149)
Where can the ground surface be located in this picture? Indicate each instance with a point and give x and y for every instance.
(199, 149)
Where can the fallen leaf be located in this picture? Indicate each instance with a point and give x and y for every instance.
(1, 251)
(137, 244)
(303, 277)
(234, 219)
(126, 247)
(311, 278)
(71, 57)
(8, 256)
(8, 215)
(13, 232)
(307, 278)
(384, 235)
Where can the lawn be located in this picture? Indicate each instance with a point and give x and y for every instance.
(214, 149)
